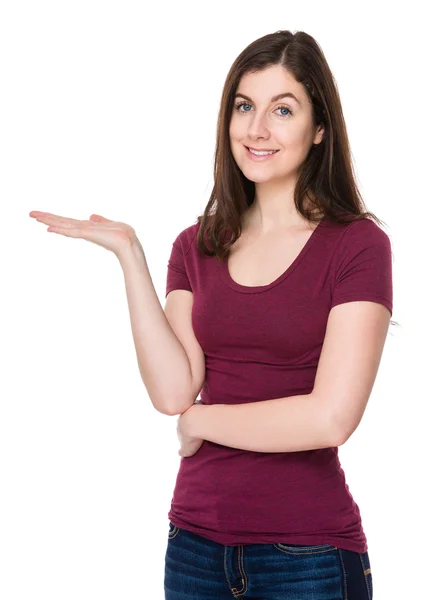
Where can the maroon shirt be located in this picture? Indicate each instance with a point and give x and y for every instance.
(261, 343)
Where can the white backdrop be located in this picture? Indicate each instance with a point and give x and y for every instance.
(111, 107)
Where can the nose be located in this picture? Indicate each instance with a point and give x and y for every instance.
(258, 127)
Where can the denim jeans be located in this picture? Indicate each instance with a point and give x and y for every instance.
(197, 568)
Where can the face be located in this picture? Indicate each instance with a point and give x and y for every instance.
(283, 124)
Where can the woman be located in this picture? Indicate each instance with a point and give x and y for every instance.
(278, 303)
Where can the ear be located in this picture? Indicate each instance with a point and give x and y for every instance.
(319, 135)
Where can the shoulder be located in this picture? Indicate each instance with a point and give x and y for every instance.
(366, 228)
(185, 238)
(362, 233)
(362, 249)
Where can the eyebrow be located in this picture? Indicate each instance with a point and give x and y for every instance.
(273, 99)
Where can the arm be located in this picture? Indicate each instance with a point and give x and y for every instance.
(348, 364)
(156, 344)
(289, 424)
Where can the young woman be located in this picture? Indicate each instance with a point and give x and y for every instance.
(278, 303)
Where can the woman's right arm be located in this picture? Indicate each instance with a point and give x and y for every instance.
(163, 363)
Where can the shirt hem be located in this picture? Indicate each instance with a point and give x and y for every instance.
(229, 539)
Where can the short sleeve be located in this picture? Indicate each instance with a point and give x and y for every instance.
(363, 268)
(176, 278)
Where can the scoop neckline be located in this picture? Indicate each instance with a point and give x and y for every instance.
(249, 289)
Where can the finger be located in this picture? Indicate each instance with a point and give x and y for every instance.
(62, 223)
(73, 232)
(59, 221)
(96, 217)
(39, 214)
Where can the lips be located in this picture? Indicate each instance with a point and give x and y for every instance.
(260, 158)
(263, 149)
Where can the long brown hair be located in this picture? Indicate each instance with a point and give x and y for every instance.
(326, 177)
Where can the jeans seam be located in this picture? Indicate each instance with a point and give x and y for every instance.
(343, 570)
(366, 573)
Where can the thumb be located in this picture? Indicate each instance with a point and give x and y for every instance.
(95, 217)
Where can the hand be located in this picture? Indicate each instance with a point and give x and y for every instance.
(112, 235)
(189, 443)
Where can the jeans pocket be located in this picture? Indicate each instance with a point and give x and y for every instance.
(173, 531)
(303, 549)
(365, 563)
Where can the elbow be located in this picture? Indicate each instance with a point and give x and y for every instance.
(165, 411)
(161, 403)
(339, 440)
(343, 429)
(336, 433)
(161, 406)
(176, 406)
(339, 434)
(168, 402)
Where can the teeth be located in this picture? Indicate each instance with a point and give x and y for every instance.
(261, 153)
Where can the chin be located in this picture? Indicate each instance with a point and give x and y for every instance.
(258, 177)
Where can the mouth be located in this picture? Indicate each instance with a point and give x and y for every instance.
(260, 157)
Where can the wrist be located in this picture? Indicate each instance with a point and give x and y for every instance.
(194, 416)
(131, 251)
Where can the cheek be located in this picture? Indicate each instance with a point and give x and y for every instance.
(235, 132)
(293, 140)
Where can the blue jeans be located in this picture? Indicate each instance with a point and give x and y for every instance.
(197, 568)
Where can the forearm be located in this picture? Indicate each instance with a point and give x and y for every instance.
(289, 424)
(163, 363)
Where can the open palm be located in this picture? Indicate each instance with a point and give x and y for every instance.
(112, 235)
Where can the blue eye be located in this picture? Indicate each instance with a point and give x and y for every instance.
(240, 104)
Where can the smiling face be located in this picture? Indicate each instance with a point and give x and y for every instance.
(261, 120)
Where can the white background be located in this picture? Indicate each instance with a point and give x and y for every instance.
(111, 107)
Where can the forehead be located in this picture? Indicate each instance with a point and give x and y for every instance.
(261, 86)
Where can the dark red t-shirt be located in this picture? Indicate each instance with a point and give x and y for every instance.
(261, 343)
